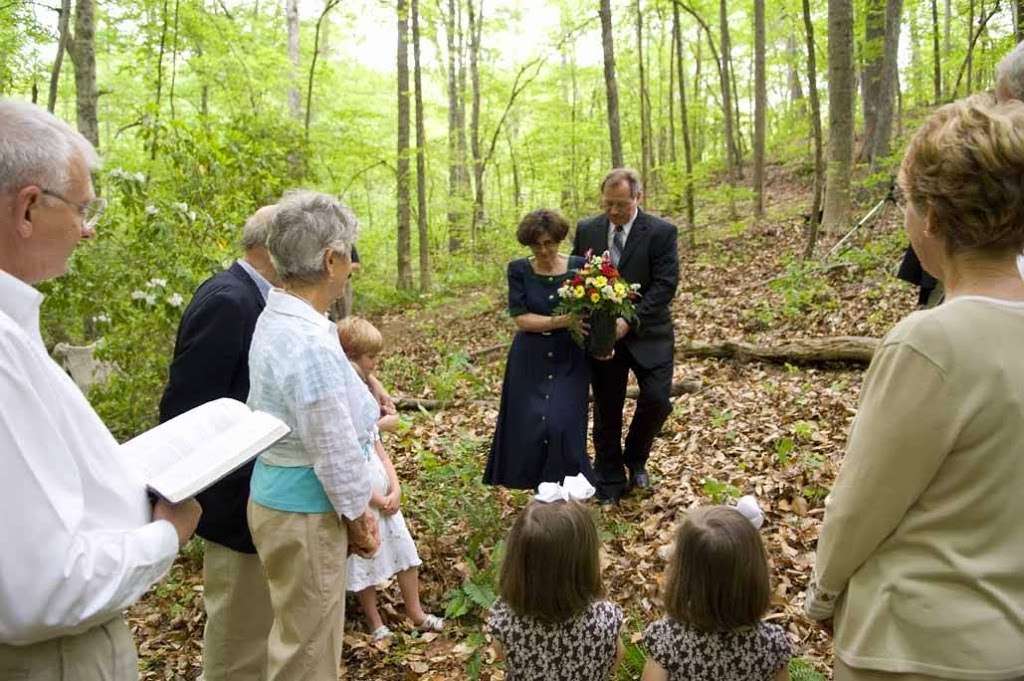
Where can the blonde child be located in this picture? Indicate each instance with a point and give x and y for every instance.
(551, 620)
(362, 343)
(716, 592)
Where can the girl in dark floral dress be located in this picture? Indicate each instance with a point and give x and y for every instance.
(716, 592)
(551, 622)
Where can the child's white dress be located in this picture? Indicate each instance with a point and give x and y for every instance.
(397, 549)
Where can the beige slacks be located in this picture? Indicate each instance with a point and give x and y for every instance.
(304, 558)
(103, 653)
(842, 672)
(238, 615)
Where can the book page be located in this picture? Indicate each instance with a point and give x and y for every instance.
(158, 449)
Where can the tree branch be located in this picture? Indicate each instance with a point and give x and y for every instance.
(328, 6)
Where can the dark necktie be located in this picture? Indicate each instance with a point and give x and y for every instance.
(618, 242)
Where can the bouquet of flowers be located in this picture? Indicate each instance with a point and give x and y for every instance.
(598, 294)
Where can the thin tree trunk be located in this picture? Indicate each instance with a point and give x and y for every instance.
(937, 71)
(840, 115)
(174, 61)
(421, 158)
(155, 141)
(947, 43)
(611, 84)
(970, 56)
(760, 104)
(645, 141)
(890, 81)
(731, 152)
(684, 118)
(63, 18)
(328, 6)
(1018, 13)
(456, 168)
(671, 96)
(291, 11)
(82, 49)
(405, 281)
(819, 164)
(873, 55)
(475, 29)
(796, 93)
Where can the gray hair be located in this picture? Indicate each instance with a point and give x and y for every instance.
(1010, 75)
(627, 175)
(257, 228)
(305, 226)
(36, 147)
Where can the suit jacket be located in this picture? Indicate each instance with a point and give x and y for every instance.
(211, 360)
(650, 259)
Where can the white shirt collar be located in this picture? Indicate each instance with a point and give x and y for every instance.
(625, 228)
(21, 302)
(261, 282)
(282, 302)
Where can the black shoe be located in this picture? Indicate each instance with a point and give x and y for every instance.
(638, 479)
(606, 501)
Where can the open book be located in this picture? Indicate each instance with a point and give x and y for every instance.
(192, 451)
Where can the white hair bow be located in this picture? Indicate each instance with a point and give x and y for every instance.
(575, 488)
(748, 507)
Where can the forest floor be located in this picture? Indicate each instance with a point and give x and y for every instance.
(776, 431)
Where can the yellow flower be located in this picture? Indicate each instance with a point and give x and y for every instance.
(579, 291)
(620, 288)
(600, 281)
(594, 297)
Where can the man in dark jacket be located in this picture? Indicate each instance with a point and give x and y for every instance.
(211, 360)
(643, 248)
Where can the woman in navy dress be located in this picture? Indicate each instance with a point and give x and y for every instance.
(541, 434)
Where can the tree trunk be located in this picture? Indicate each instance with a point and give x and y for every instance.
(475, 29)
(291, 12)
(849, 349)
(1018, 13)
(937, 70)
(671, 96)
(819, 164)
(684, 118)
(82, 49)
(890, 81)
(63, 18)
(611, 84)
(840, 115)
(731, 151)
(328, 6)
(947, 43)
(970, 56)
(645, 141)
(796, 93)
(421, 158)
(456, 157)
(760, 104)
(873, 55)
(405, 282)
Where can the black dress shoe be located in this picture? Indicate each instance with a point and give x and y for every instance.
(604, 500)
(639, 480)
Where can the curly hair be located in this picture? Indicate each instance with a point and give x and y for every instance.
(966, 165)
(540, 222)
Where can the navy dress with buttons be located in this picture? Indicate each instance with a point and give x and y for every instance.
(541, 434)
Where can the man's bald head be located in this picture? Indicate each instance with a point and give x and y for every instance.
(1010, 75)
(254, 241)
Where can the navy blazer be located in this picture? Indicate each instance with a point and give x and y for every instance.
(211, 360)
(650, 259)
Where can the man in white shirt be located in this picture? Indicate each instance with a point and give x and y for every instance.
(80, 539)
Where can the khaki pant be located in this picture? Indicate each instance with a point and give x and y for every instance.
(238, 615)
(843, 672)
(304, 558)
(103, 653)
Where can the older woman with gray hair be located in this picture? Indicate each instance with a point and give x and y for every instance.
(310, 490)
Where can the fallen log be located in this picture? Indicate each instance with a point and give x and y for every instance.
(415, 403)
(848, 349)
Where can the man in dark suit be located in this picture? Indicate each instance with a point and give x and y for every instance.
(211, 360)
(643, 248)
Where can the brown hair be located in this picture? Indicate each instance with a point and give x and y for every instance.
(717, 579)
(540, 222)
(966, 165)
(359, 337)
(551, 570)
(627, 175)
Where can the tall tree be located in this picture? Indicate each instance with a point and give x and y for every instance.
(840, 115)
(456, 154)
(328, 6)
(291, 12)
(881, 43)
(63, 19)
(611, 84)
(732, 152)
(937, 64)
(677, 35)
(760, 104)
(421, 158)
(475, 16)
(403, 209)
(82, 48)
(645, 114)
(819, 163)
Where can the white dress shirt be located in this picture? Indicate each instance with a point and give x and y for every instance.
(76, 542)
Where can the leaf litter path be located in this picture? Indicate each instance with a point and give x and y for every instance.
(774, 431)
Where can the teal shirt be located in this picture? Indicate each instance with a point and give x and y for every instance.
(288, 488)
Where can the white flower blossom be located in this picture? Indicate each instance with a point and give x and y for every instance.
(181, 207)
(151, 209)
(175, 300)
(101, 319)
(191, 216)
(138, 295)
(154, 283)
(140, 177)
(151, 299)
